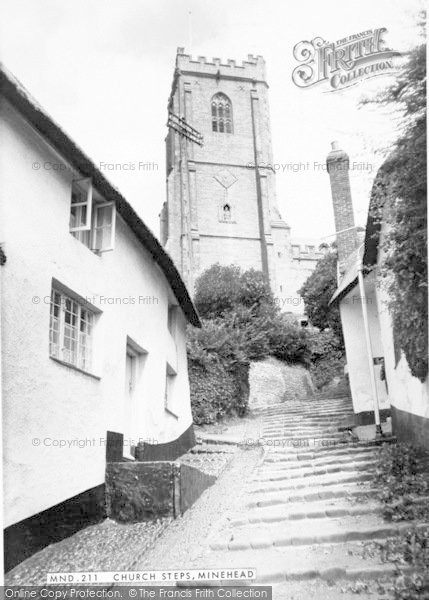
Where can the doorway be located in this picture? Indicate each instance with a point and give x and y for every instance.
(132, 395)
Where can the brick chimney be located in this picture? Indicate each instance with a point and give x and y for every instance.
(337, 163)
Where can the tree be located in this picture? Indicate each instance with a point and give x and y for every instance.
(220, 288)
(317, 291)
(241, 306)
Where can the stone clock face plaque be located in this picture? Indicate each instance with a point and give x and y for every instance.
(225, 178)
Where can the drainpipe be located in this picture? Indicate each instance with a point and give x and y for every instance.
(378, 430)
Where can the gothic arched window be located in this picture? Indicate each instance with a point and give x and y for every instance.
(226, 212)
(221, 113)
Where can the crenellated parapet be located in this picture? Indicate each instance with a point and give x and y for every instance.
(252, 68)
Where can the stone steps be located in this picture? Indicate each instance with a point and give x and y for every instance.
(301, 423)
(310, 415)
(300, 417)
(307, 532)
(318, 509)
(308, 423)
(300, 456)
(332, 563)
(311, 482)
(325, 459)
(309, 506)
(319, 445)
(304, 496)
(287, 474)
(338, 435)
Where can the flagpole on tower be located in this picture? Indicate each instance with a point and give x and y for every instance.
(190, 29)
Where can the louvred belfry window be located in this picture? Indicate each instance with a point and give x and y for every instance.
(221, 113)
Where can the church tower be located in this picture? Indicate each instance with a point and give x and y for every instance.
(221, 203)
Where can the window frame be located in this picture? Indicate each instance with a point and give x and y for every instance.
(95, 228)
(221, 101)
(86, 364)
(81, 184)
(87, 233)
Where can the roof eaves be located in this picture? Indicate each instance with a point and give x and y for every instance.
(42, 122)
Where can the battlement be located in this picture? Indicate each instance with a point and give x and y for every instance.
(252, 68)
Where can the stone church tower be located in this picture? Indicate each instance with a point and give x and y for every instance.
(221, 199)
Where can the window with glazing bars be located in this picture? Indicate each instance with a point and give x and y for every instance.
(221, 113)
(92, 221)
(70, 331)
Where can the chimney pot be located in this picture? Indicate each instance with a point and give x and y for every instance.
(335, 145)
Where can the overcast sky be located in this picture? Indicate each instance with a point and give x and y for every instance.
(103, 69)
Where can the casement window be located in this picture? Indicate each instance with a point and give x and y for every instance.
(70, 331)
(92, 221)
(221, 113)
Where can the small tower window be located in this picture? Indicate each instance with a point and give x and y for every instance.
(226, 212)
(221, 114)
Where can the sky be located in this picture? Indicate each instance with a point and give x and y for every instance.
(103, 69)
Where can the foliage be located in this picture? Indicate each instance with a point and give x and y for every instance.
(399, 199)
(241, 322)
(212, 391)
(323, 344)
(242, 305)
(402, 480)
(400, 483)
(221, 288)
(409, 548)
(288, 341)
(326, 358)
(414, 586)
(317, 291)
(217, 372)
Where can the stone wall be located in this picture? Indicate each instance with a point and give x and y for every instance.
(272, 381)
(143, 491)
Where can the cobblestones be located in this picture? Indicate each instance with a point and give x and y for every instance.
(106, 546)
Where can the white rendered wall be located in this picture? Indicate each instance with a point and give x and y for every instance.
(356, 352)
(45, 400)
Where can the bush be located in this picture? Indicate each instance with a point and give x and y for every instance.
(410, 549)
(212, 391)
(400, 482)
(218, 372)
(288, 341)
(327, 358)
(401, 479)
(217, 290)
(317, 292)
(241, 323)
(220, 289)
